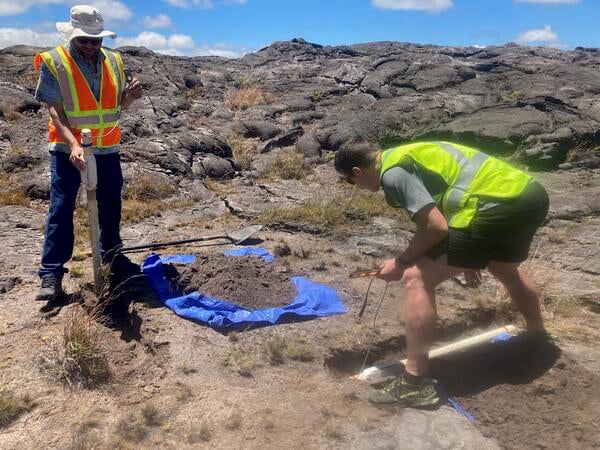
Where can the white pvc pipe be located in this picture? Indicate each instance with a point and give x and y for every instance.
(390, 369)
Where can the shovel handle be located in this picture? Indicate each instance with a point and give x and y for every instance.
(364, 273)
(169, 243)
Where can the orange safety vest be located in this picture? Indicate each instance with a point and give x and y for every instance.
(79, 103)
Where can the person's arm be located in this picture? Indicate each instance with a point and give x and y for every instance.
(406, 189)
(61, 123)
(432, 228)
(132, 91)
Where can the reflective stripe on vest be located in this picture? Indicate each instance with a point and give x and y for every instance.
(467, 172)
(81, 107)
(468, 169)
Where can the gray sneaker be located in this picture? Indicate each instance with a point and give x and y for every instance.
(51, 288)
(402, 393)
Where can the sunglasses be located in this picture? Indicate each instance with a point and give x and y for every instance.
(86, 41)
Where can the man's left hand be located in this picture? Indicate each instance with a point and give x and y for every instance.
(134, 89)
(391, 270)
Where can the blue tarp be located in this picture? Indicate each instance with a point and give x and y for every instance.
(312, 299)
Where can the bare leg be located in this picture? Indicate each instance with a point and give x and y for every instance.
(420, 282)
(521, 291)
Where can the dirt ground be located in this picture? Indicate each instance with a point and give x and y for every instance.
(249, 282)
(176, 384)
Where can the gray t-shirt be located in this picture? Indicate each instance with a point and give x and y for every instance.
(411, 187)
(404, 189)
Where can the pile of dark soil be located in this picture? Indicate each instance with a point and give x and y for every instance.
(249, 281)
(525, 394)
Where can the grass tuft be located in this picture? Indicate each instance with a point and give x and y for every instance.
(242, 151)
(14, 197)
(199, 433)
(233, 421)
(330, 213)
(145, 187)
(131, 430)
(248, 97)
(151, 415)
(280, 349)
(288, 165)
(79, 357)
(12, 407)
(184, 392)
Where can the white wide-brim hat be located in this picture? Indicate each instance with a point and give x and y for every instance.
(86, 21)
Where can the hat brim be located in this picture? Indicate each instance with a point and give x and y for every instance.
(69, 32)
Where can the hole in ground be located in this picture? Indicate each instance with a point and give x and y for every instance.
(346, 362)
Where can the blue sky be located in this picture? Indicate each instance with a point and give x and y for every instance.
(233, 27)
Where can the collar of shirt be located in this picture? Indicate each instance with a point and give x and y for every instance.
(80, 59)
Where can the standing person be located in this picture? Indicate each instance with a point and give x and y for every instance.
(472, 212)
(83, 85)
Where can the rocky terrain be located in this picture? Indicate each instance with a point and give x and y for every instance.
(216, 144)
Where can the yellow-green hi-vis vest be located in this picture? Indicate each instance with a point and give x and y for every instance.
(468, 174)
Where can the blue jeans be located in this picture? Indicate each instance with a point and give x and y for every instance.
(65, 180)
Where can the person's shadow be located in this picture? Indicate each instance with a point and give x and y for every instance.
(519, 360)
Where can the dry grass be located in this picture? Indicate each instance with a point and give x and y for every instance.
(12, 407)
(130, 429)
(76, 271)
(199, 433)
(288, 165)
(280, 349)
(14, 197)
(243, 151)
(243, 82)
(242, 361)
(233, 421)
(331, 213)
(11, 114)
(581, 151)
(184, 392)
(85, 441)
(221, 188)
(194, 93)
(334, 434)
(151, 415)
(144, 187)
(248, 97)
(187, 369)
(541, 269)
(134, 211)
(79, 358)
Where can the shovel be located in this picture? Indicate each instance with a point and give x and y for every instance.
(236, 237)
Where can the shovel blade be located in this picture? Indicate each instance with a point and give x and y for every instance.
(240, 236)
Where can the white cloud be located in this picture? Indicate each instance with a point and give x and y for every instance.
(160, 21)
(14, 7)
(178, 45)
(181, 41)
(111, 9)
(538, 35)
(16, 36)
(148, 39)
(549, 2)
(204, 4)
(415, 5)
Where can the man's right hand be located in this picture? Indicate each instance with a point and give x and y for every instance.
(77, 157)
